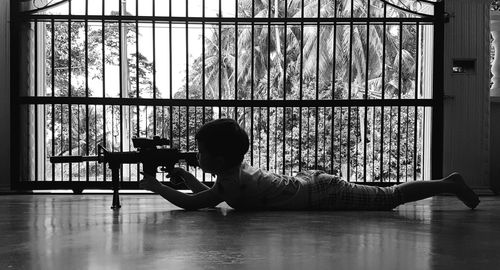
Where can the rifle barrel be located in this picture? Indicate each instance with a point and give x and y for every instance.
(72, 159)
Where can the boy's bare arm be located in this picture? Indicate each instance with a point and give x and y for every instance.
(191, 182)
(196, 201)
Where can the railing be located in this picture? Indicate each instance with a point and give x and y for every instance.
(344, 86)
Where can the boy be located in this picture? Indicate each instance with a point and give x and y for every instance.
(222, 145)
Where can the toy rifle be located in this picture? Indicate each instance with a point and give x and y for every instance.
(152, 153)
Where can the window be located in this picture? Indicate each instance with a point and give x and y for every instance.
(343, 86)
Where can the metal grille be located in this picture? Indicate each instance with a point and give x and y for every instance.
(344, 86)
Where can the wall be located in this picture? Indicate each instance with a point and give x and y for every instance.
(4, 96)
(495, 144)
(466, 105)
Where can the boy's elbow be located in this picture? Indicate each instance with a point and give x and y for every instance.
(192, 206)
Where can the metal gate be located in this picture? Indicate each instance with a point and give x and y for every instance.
(351, 87)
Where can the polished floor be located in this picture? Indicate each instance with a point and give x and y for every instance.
(82, 232)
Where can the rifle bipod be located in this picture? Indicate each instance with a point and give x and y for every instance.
(115, 177)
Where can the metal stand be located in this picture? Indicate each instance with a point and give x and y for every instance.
(115, 177)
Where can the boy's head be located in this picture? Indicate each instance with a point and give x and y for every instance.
(223, 139)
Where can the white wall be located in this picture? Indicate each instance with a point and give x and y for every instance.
(4, 96)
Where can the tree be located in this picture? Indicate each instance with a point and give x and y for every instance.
(261, 53)
(83, 46)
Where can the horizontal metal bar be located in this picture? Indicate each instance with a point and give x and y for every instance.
(227, 103)
(42, 185)
(216, 20)
(79, 185)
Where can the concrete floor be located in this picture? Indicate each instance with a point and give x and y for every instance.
(82, 232)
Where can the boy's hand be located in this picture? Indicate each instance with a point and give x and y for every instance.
(176, 175)
(149, 182)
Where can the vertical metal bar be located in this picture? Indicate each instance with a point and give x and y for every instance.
(258, 134)
(332, 140)
(291, 140)
(87, 128)
(307, 133)
(284, 53)
(171, 135)
(187, 50)
(203, 55)
(417, 53)
(383, 96)
(268, 157)
(236, 56)
(130, 131)
(35, 40)
(78, 119)
(62, 143)
(45, 140)
(53, 94)
(406, 146)
(203, 67)
(187, 75)
(268, 82)
(324, 138)
(390, 143)
(384, 25)
(301, 82)
(341, 120)
(95, 137)
(334, 69)
(374, 121)
(316, 120)
(15, 40)
(252, 85)
(103, 25)
(154, 67)
(137, 79)
(220, 54)
(351, 29)
(358, 123)
(400, 60)
(318, 37)
(276, 140)
(334, 65)
(170, 52)
(283, 161)
(121, 11)
(69, 94)
(438, 92)
(365, 135)
(35, 47)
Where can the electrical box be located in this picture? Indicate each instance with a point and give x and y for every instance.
(464, 66)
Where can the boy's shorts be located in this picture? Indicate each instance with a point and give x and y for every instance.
(329, 192)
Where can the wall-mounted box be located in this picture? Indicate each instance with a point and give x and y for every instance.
(463, 66)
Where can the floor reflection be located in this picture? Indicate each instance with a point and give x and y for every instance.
(52, 232)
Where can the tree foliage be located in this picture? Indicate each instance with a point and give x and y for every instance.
(261, 62)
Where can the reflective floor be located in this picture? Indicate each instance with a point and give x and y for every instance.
(82, 232)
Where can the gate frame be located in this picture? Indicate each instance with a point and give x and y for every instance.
(439, 18)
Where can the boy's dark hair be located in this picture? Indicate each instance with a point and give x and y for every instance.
(224, 137)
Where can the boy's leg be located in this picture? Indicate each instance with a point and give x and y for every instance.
(453, 183)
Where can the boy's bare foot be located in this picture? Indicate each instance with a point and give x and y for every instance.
(463, 192)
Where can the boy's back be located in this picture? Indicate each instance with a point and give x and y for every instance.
(249, 188)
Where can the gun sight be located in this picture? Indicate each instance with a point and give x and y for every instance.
(146, 143)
